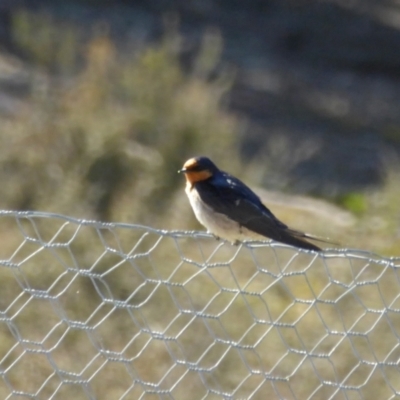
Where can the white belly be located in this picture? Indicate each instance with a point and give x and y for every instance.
(216, 223)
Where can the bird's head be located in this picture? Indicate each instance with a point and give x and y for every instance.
(198, 169)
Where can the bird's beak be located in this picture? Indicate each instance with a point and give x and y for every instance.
(181, 171)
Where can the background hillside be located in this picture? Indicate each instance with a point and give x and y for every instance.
(101, 102)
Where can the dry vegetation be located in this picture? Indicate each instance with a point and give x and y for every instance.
(105, 144)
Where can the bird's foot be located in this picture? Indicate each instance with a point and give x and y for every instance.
(236, 243)
(215, 236)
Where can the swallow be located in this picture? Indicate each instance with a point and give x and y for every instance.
(231, 210)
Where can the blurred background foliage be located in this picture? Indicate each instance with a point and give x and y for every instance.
(103, 130)
(105, 139)
(104, 126)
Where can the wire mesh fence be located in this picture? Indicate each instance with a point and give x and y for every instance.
(90, 310)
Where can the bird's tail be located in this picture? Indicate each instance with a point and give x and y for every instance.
(300, 239)
(297, 241)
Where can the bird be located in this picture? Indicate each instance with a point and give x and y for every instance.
(230, 210)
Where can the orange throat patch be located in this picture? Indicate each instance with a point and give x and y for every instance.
(197, 176)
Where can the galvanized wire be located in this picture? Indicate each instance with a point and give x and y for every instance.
(92, 310)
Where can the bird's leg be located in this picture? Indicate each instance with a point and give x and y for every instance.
(236, 243)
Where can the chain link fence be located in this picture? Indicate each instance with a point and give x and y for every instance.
(90, 310)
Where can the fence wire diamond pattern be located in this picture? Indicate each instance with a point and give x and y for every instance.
(90, 310)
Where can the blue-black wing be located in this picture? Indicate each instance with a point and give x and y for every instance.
(227, 195)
